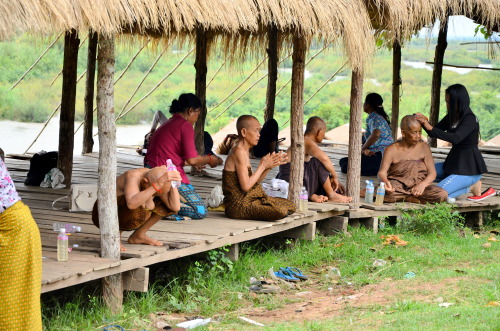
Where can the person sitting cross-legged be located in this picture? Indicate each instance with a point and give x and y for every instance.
(320, 177)
(144, 196)
(244, 197)
(408, 169)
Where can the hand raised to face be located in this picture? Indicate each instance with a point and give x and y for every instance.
(274, 160)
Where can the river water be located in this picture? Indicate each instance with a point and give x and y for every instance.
(15, 137)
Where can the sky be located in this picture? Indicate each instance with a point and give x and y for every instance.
(458, 27)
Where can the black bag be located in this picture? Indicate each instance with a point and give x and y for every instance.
(40, 165)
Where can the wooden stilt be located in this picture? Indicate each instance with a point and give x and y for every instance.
(234, 252)
(297, 116)
(106, 193)
(68, 100)
(272, 70)
(437, 74)
(88, 142)
(333, 225)
(354, 153)
(200, 65)
(396, 83)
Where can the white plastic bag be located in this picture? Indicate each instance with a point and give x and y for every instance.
(54, 178)
(216, 197)
(278, 188)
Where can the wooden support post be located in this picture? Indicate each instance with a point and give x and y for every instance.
(370, 223)
(297, 118)
(106, 189)
(332, 225)
(437, 74)
(354, 153)
(68, 100)
(474, 219)
(396, 83)
(303, 232)
(272, 70)
(136, 280)
(234, 252)
(88, 141)
(200, 65)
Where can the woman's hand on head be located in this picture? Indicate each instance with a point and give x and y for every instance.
(421, 118)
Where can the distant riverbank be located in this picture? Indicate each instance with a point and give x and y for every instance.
(15, 137)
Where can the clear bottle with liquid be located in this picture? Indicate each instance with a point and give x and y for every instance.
(62, 246)
(370, 190)
(303, 200)
(379, 200)
(171, 167)
(70, 228)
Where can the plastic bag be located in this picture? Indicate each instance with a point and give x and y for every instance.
(54, 178)
(278, 188)
(216, 197)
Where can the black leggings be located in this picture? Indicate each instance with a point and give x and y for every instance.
(369, 164)
(268, 135)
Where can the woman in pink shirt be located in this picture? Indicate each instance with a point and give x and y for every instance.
(174, 140)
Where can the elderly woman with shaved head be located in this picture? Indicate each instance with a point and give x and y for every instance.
(408, 169)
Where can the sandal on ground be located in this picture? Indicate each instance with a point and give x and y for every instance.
(295, 272)
(281, 275)
(264, 288)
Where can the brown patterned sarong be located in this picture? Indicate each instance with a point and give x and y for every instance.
(405, 175)
(254, 204)
(128, 219)
(315, 176)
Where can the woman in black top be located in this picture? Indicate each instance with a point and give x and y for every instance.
(464, 165)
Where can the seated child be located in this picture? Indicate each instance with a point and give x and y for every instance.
(320, 177)
(144, 196)
(244, 197)
(407, 168)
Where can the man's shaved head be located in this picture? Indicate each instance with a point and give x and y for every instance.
(407, 121)
(243, 122)
(314, 124)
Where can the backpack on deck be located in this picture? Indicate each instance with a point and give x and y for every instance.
(40, 165)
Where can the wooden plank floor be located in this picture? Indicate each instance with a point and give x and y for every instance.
(181, 238)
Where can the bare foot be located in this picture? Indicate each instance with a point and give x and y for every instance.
(122, 248)
(145, 240)
(475, 188)
(339, 198)
(318, 198)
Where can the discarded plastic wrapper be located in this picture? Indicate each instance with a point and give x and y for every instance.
(194, 323)
(278, 188)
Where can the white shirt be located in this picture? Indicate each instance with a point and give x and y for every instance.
(8, 193)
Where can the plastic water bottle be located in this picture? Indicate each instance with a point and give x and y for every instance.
(370, 189)
(70, 228)
(303, 202)
(380, 194)
(62, 246)
(171, 167)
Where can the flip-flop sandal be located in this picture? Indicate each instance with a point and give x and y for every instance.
(295, 272)
(281, 275)
(264, 288)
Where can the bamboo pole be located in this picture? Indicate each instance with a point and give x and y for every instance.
(396, 83)
(157, 85)
(339, 70)
(50, 117)
(464, 67)
(297, 114)
(60, 71)
(272, 69)
(211, 79)
(248, 89)
(131, 61)
(121, 75)
(106, 188)
(142, 80)
(355, 125)
(68, 102)
(237, 87)
(437, 74)
(37, 60)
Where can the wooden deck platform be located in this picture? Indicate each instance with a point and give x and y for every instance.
(184, 238)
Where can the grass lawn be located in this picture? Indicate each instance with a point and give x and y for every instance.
(450, 268)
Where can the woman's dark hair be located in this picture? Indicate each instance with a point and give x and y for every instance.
(375, 101)
(185, 101)
(459, 102)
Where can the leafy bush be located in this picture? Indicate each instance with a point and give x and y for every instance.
(437, 219)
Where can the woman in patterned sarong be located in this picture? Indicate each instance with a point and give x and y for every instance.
(244, 197)
(407, 168)
(20, 260)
